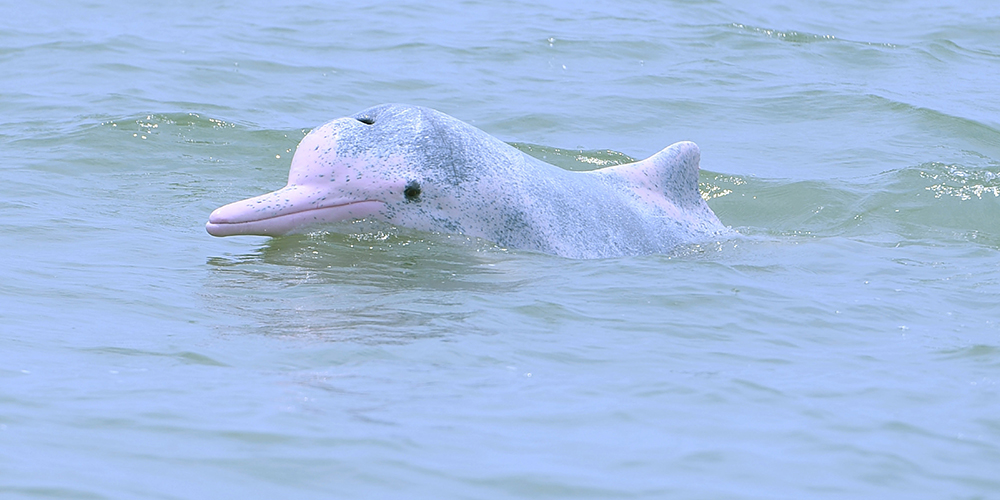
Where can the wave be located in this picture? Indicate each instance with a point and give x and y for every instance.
(932, 200)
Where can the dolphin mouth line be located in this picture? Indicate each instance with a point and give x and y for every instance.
(297, 212)
(223, 224)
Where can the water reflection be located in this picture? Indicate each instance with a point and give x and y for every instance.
(376, 285)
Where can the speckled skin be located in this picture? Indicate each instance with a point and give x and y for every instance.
(419, 168)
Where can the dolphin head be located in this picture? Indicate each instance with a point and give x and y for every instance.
(403, 165)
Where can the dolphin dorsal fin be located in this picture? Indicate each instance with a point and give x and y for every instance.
(672, 173)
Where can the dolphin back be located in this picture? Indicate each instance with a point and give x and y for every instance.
(668, 180)
(672, 173)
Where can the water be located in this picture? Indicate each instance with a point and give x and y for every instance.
(846, 346)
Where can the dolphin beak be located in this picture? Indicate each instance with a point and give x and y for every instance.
(291, 209)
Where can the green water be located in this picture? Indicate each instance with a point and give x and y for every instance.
(846, 345)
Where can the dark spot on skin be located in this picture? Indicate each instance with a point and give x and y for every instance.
(412, 191)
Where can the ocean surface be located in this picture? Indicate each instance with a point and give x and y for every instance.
(845, 344)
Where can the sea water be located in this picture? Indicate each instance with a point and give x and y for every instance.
(845, 345)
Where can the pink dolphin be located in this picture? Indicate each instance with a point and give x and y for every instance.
(419, 168)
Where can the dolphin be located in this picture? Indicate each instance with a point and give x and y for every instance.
(415, 167)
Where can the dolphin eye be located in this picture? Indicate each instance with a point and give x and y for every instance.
(366, 119)
(412, 191)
